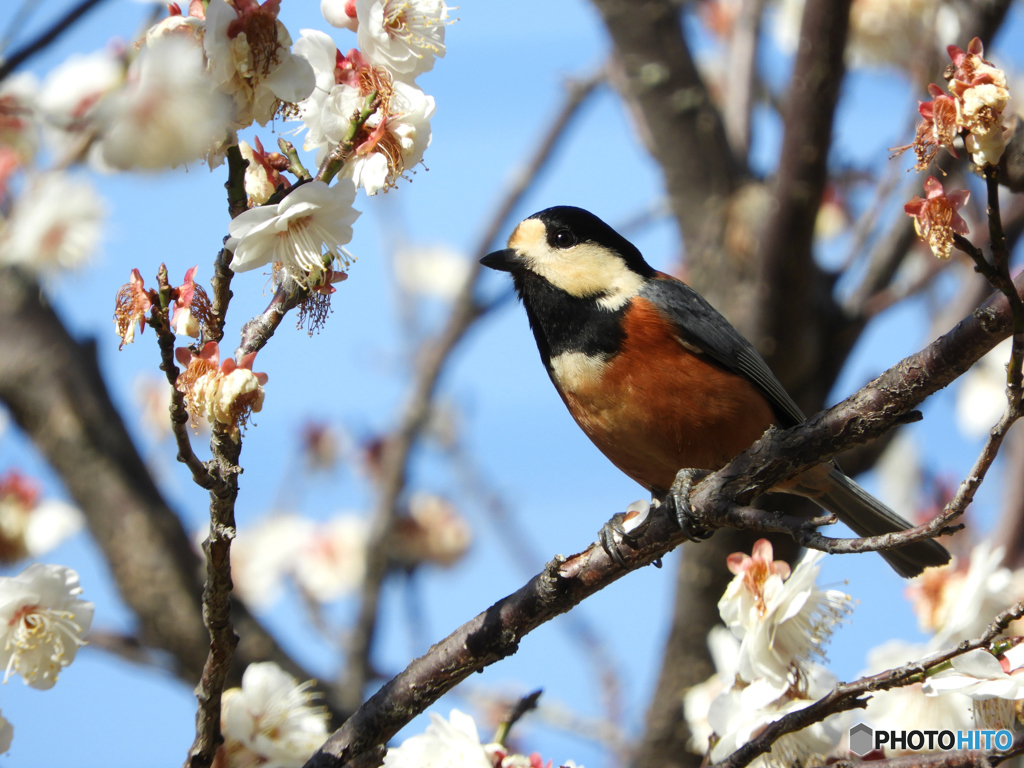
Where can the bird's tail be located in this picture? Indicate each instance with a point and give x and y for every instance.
(867, 516)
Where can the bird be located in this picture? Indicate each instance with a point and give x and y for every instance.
(656, 377)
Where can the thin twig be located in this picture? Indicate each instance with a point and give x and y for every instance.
(54, 31)
(526, 704)
(464, 312)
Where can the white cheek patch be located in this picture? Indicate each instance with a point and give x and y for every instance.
(577, 371)
(582, 271)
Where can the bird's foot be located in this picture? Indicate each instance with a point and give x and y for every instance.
(626, 527)
(680, 496)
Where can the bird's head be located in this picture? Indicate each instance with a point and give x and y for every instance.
(575, 252)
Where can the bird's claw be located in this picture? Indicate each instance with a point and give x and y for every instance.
(680, 495)
(611, 533)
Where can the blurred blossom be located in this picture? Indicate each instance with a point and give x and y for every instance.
(907, 708)
(403, 36)
(781, 619)
(739, 714)
(6, 734)
(304, 233)
(262, 555)
(332, 561)
(42, 623)
(725, 650)
(882, 32)
(270, 722)
(956, 602)
(153, 401)
(993, 684)
(226, 393)
(322, 444)
(250, 59)
(340, 13)
(936, 217)
(832, 218)
(433, 532)
(30, 527)
(981, 396)
(18, 135)
(54, 226)
(392, 140)
(445, 743)
(436, 272)
(186, 28)
(71, 95)
(167, 112)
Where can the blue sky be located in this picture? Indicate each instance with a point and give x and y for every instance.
(496, 89)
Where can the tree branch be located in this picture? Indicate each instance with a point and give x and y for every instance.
(495, 633)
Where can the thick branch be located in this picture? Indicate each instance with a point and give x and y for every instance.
(496, 632)
(788, 318)
(676, 116)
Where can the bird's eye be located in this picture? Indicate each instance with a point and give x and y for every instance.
(563, 238)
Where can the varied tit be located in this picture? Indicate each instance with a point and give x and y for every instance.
(655, 376)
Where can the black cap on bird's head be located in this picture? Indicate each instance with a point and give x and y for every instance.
(573, 250)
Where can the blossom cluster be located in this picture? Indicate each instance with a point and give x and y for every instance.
(778, 622)
(366, 120)
(972, 109)
(225, 393)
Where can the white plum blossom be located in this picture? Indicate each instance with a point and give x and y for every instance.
(740, 714)
(780, 619)
(42, 623)
(304, 233)
(395, 140)
(332, 560)
(270, 721)
(249, 58)
(697, 700)
(18, 134)
(30, 527)
(452, 742)
(54, 225)
(403, 36)
(992, 684)
(166, 113)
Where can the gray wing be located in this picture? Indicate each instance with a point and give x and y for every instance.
(702, 326)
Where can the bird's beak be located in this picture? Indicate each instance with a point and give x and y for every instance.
(506, 260)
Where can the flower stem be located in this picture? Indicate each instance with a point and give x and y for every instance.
(341, 153)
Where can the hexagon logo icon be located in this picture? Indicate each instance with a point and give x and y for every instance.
(862, 739)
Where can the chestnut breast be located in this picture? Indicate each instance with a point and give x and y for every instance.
(656, 406)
